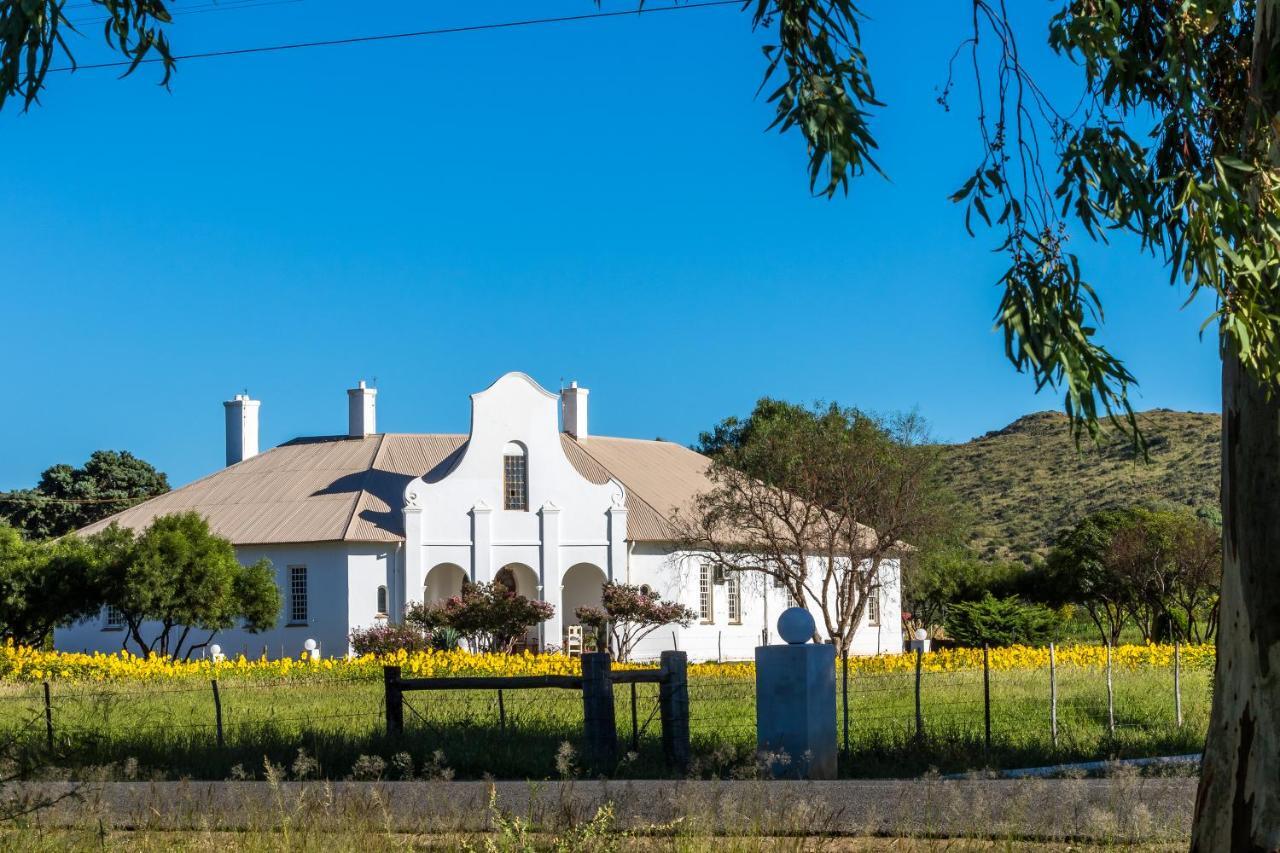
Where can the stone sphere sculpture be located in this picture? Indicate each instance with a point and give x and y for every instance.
(796, 625)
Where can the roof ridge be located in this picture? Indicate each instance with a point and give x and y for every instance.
(364, 478)
(630, 491)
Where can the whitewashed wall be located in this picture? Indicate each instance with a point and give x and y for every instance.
(675, 576)
(336, 572)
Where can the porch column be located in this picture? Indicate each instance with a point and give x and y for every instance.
(481, 543)
(414, 572)
(549, 576)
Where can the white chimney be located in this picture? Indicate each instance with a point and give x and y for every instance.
(362, 411)
(573, 410)
(242, 428)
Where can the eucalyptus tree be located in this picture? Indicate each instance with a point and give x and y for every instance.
(1175, 137)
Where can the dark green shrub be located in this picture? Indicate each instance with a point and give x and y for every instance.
(1007, 621)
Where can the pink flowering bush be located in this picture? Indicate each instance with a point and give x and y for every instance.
(629, 614)
(488, 616)
(386, 639)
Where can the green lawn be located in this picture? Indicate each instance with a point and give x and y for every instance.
(168, 730)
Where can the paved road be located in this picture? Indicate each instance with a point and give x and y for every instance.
(1110, 809)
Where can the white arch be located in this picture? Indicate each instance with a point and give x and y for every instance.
(581, 586)
(443, 581)
(526, 579)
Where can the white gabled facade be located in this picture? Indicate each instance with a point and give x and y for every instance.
(564, 540)
(506, 500)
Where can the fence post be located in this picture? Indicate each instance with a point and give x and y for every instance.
(1111, 697)
(217, 713)
(986, 696)
(502, 713)
(598, 721)
(1177, 682)
(673, 705)
(919, 712)
(1053, 696)
(48, 716)
(394, 700)
(844, 693)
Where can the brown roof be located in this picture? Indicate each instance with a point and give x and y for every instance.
(340, 489)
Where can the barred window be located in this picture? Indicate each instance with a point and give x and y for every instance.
(297, 594)
(515, 477)
(733, 587)
(706, 589)
(114, 617)
(382, 601)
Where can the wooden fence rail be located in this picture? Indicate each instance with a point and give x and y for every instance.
(596, 682)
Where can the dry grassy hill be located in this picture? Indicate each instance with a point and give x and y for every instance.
(1027, 481)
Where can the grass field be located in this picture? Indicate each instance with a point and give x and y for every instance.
(166, 729)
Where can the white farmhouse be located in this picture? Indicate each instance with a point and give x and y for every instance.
(359, 525)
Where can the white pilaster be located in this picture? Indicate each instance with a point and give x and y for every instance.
(549, 589)
(617, 541)
(481, 543)
(411, 585)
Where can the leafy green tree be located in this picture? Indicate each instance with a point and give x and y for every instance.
(42, 585)
(934, 579)
(1157, 568)
(1171, 561)
(1008, 621)
(68, 498)
(178, 577)
(1079, 571)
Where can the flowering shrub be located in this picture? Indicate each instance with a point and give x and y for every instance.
(629, 614)
(25, 664)
(489, 616)
(384, 639)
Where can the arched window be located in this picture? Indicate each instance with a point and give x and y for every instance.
(382, 601)
(515, 477)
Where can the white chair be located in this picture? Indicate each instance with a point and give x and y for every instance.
(573, 640)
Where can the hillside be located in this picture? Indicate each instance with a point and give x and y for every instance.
(1025, 482)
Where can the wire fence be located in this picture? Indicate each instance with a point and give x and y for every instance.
(891, 723)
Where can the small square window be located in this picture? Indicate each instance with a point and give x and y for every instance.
(113, 618)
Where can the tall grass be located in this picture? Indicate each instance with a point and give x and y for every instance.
(167, 730)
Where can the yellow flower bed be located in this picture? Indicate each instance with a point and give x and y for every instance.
(23, 664)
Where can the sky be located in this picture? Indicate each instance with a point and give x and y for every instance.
(598, 201)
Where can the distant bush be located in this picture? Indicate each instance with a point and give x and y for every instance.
(385, 639)
(1007, 621)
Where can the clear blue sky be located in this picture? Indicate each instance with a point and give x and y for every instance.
(595, 201)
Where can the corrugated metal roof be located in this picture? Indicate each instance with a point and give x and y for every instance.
(351, 489)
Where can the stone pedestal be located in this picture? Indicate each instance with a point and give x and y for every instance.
(796, 709)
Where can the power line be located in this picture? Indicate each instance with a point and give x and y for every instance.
(469, 28)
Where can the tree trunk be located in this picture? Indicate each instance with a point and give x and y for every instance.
(1238, 805)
